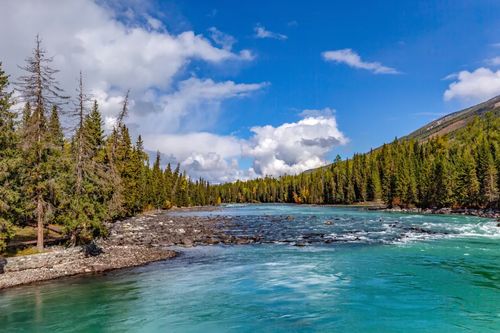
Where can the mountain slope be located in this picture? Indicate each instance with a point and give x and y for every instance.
(455, 120)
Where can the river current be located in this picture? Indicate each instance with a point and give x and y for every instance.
(317, 269)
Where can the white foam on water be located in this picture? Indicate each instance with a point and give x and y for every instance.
(451, 230)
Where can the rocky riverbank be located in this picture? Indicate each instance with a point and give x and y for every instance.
(131, 242)
(488, 213)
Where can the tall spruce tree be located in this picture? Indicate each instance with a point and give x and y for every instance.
(467, 185)
(85, 206)
(9, 162)
(114, 161)
(487, 174)
(39, 87)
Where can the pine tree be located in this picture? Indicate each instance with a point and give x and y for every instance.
(114, 157)
(374, 187)
(487, 174)
(467, 187)
(157, 184)
(38, 87)
(88, 184)
(55, 131)
(9, 162)
(135, 194)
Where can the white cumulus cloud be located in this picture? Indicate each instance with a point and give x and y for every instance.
(202, 154)
(214, 168)
(294, 147)
(290, 148)
(352, 59)
(478, 85)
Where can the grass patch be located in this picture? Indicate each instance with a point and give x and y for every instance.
(22, 252)
(27, 251)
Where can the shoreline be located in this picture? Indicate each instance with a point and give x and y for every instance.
(485, 213)
(375, 206)
(147, 238)
(132, 242)
(60, 262)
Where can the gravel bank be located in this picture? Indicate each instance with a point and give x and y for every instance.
(131, 242)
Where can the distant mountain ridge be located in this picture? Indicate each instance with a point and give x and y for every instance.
(455, 120)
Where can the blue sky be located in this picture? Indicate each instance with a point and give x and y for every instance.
(425, 41)
(236, 76)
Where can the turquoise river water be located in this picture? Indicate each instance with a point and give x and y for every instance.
(361, 271)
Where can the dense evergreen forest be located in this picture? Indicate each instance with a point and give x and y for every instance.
(458, 170)
(80, 180)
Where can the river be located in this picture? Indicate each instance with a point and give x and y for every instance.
(319, 269)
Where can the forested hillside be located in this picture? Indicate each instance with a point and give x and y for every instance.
(80, 181)
(459, 169)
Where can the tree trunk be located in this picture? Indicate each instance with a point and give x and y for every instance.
(39, 217)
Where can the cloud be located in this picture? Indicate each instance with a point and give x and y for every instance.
(326, 113)
(451, 76)
(292, 148)
(478, 85)
(352, 59)
(495, 61)
(182, 146)
(214, 168)
(113, 55)
(222, 39)
(202, 154)
(154, 23)
(261, 32)
(193, 106)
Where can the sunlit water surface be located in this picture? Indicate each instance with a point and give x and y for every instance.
(362, 271)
